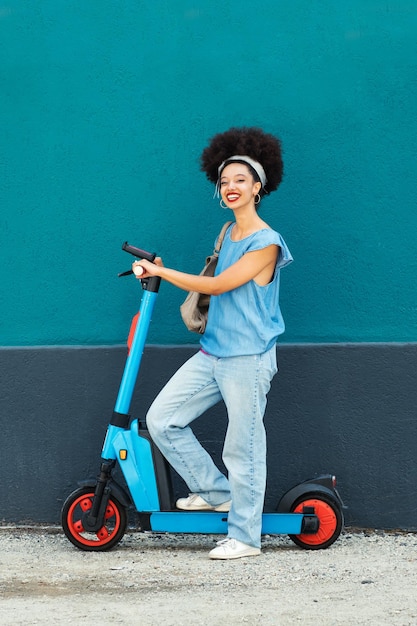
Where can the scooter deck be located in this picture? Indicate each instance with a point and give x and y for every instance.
(216, 523)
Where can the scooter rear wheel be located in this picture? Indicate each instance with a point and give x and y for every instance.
(80, 502)
(330, 518)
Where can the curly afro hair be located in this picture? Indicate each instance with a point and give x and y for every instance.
(250, 141)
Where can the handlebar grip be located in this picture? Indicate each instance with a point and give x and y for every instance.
(138, 253)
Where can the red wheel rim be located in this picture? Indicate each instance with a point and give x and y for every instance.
(327, 518)
(74, 518)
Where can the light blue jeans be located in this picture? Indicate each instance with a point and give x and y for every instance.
(243, 383)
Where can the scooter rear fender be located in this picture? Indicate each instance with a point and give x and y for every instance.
(119, 493)
(321, 484)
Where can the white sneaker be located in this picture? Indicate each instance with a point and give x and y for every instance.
(194, 502)
(233, 549)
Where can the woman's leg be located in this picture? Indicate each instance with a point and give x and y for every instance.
(244, 383)
(191, 391)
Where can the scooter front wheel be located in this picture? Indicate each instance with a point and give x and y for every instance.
(330, 518)
(78, 503)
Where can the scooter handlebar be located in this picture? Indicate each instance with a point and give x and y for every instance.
(137, 252)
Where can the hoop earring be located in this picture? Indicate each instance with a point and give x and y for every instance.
(223, 207)
(259, 199)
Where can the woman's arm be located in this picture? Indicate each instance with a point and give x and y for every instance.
(258, 265)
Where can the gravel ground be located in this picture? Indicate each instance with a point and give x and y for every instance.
(365, 578)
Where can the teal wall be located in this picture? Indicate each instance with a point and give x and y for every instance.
(105, 107)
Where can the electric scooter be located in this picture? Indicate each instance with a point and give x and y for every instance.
(95, 516)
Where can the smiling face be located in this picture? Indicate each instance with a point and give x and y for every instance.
(237, 186)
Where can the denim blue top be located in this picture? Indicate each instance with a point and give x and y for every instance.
(246, 320)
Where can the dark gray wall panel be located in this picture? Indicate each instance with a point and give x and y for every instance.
(348, 409)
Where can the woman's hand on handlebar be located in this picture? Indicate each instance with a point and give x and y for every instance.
(148, 269)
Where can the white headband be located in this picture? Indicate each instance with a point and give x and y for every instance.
(240, 157)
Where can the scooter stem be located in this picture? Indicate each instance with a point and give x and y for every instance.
(134, 358)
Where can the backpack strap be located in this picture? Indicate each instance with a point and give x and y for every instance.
(220, 238)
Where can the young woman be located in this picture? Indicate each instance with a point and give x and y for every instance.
(237, 359)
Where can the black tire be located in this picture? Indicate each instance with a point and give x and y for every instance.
(108, 536)
(330, 516)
